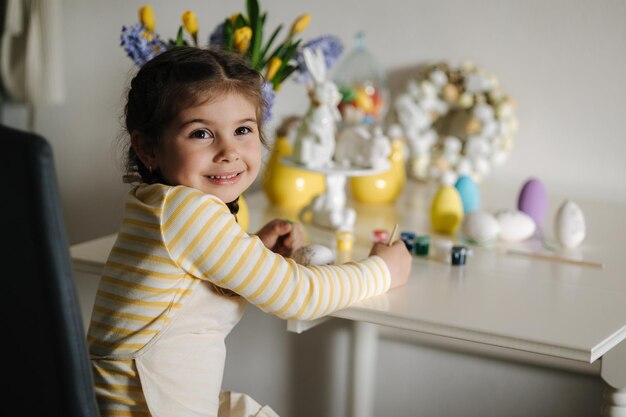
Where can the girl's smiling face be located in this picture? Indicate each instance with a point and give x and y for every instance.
(214, 147)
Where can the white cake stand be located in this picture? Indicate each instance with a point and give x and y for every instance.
(329, 209)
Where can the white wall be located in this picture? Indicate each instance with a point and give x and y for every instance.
(563, 62)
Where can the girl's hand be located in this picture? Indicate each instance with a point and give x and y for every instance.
(397, 258)
(281, 236)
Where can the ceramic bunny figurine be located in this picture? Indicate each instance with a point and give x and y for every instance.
(358, 147)
(329, 209)
(314, 144)
(352, 144)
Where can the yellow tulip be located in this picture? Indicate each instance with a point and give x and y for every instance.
(241, 38)
(300, 24)
(146, 17)
(191, 22)
(273, 67)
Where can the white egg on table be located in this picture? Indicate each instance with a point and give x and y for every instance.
(569, 224)
(314, 254)
(480, 227)
(515, 225)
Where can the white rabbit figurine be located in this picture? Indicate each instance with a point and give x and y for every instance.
(314, 144)
(353, 142)
(329, 209)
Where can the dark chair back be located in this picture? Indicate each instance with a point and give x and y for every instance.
(47, 367)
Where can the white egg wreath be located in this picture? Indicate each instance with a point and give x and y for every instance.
(456, 120)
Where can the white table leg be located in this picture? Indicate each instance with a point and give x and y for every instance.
(614, 374)
(365, 350)
(614, 402)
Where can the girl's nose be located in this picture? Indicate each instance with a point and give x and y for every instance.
(227, 153)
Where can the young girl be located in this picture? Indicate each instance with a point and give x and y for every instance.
(182, 269)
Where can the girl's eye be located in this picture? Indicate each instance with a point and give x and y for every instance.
(201, 134)
(243, 130)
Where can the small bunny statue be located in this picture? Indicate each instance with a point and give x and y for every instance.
(314, 144)
(329, 209)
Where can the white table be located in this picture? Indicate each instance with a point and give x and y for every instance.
(546, 309)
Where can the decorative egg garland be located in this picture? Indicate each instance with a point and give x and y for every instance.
(456, 119)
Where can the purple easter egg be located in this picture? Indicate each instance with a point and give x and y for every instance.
(533, 200)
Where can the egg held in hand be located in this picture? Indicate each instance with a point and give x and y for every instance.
(314, 254)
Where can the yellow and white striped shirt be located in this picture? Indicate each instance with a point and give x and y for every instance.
(170, 238)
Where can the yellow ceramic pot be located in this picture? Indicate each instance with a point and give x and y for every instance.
(286, 186)
(386, 187)
(243, 215)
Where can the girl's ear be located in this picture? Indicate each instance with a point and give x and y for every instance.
(144, 149)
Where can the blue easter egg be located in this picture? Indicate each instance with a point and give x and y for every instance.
(468, 191)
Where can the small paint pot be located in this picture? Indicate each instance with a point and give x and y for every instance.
(345, 240)
(409, 240)
(422, 245)
(458, 254)
(380, 235)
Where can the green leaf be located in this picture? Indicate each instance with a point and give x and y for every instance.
(255, 46)
(253, 12)
(257, 33)
(262, 57)
(283, 73)
(179, 37)
(277, 52)
(241, 21)
(228, 35)
(288, 71)
(290, 50)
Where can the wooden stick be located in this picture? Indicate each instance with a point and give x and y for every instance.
(537, 255)
(392, 236)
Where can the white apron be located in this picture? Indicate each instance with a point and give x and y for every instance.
(181, 369)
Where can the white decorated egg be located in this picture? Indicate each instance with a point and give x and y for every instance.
(313, 254)
(515, 225)
(569, 224)
(480, 227)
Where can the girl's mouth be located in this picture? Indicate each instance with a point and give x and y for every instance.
(224, 179)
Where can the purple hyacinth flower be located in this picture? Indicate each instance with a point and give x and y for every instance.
(268, 96)
(332, 48)
(216, 40)
(140, 45)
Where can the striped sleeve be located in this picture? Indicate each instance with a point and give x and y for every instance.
(204, 239)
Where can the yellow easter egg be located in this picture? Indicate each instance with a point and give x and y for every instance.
(382, 188)
(446, 210)
(243, 215)
(286, 186)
